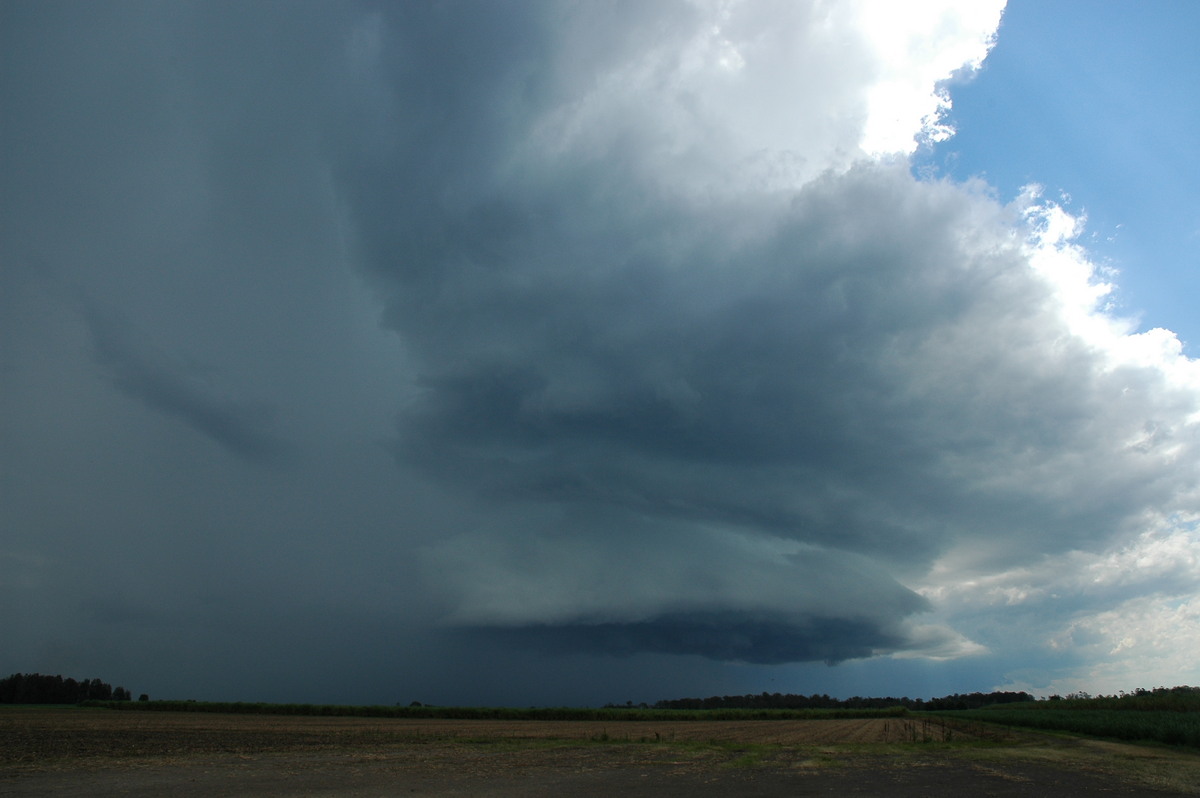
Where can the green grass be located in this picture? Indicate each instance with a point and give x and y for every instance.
(748, 759)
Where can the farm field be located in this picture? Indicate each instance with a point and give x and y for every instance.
(1171, 727)
(70, 751)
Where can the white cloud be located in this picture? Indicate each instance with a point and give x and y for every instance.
(1116, 619)
(916, 48)
(1082, 289)
(1145, 642)
(766, 94)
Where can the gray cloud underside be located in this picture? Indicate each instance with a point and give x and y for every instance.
(717, 635)
(140, 371)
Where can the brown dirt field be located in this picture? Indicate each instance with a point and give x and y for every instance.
(74, 752)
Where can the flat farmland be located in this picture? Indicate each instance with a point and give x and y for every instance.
(44, 735)
(76, 752)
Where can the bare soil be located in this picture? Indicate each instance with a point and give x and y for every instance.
(75, 752)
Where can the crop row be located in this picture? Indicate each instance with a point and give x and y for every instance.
(1173, 728)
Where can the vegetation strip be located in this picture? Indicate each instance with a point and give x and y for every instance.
(1163, 715)
(1172, 728)
(495, 713)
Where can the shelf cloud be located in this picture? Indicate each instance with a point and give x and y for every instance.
(564, 333)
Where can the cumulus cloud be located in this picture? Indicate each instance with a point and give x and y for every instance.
(637, 342)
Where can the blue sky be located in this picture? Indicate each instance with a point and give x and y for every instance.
(564, 353)
(1098, 99)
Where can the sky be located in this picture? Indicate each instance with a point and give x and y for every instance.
(548, 353)
(1091, 100)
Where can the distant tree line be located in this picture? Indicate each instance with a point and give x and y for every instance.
(815, 701)
(35, 688)
(1181, 698)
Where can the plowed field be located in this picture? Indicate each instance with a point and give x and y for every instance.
(73, 752)
(32, 736)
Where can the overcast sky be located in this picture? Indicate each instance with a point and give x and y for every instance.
(563, 353)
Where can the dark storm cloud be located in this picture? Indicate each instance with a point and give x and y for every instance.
(150, 376)
(581, 329)
(866, 366)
